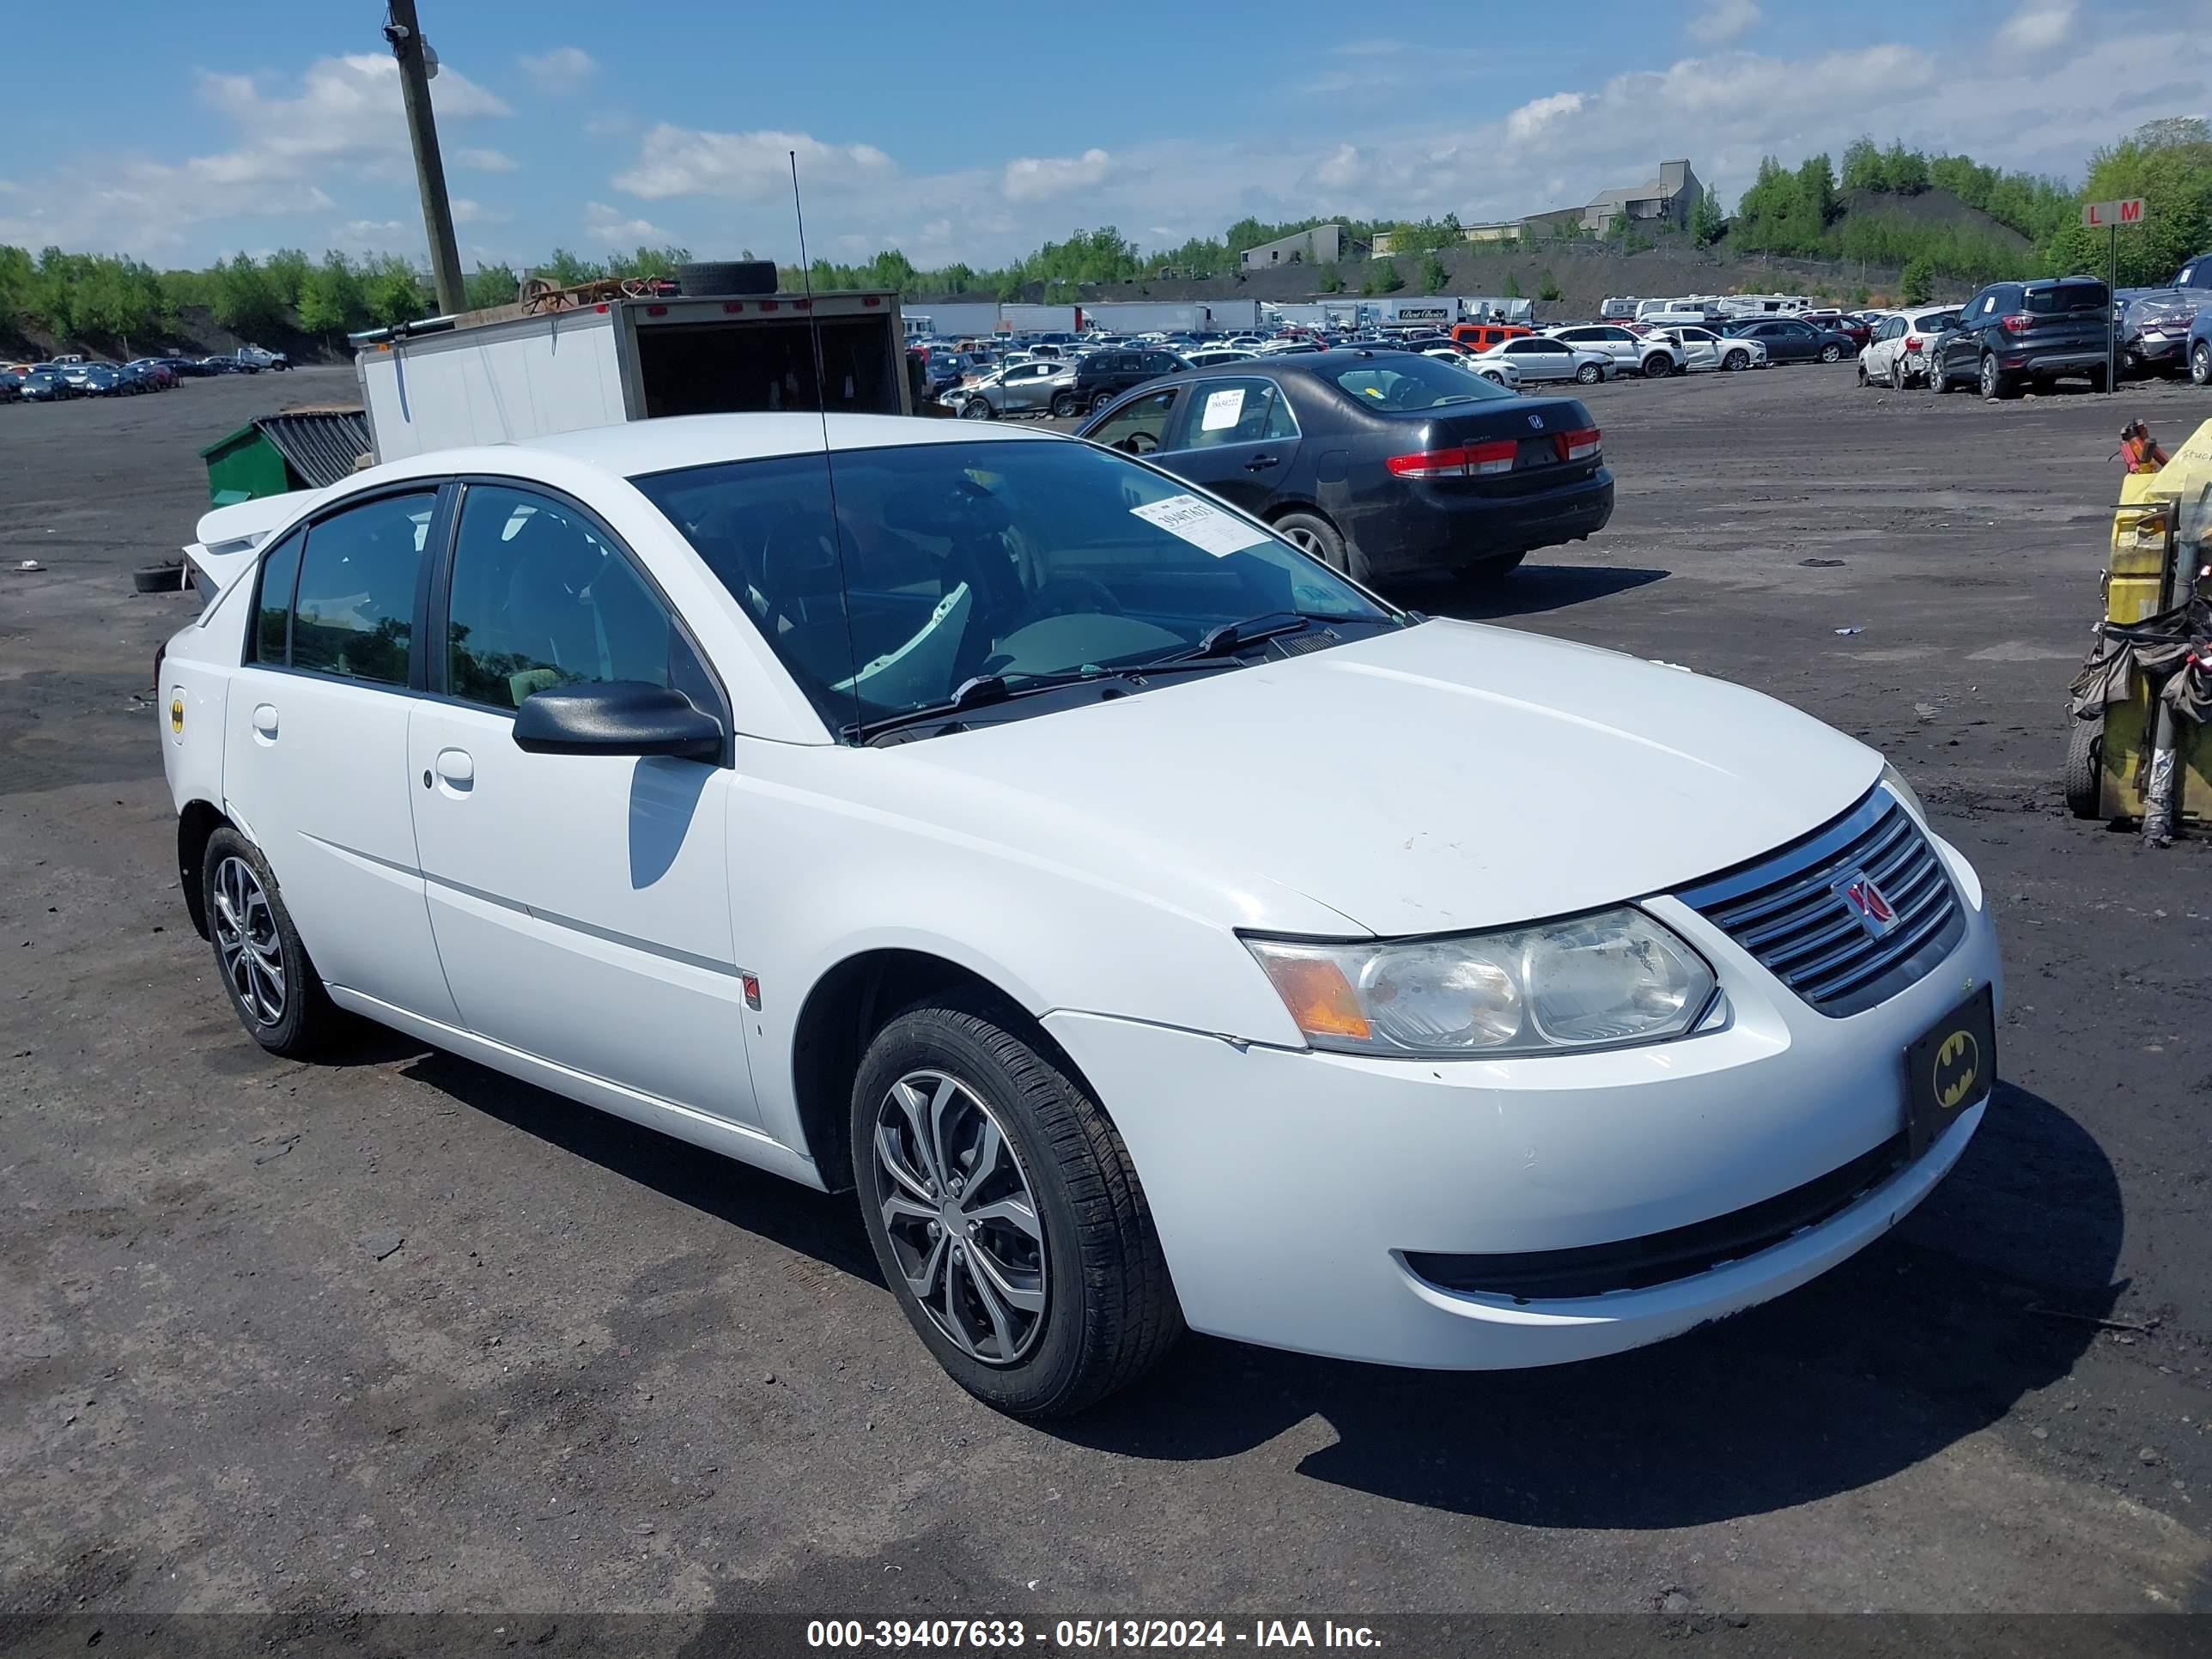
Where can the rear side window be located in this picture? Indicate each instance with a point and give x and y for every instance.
(355, 613)
(272, 615)
(2065, 297)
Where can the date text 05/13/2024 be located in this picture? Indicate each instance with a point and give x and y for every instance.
(1084, 1634)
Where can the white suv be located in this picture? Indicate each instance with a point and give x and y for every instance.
(1654, 359)
(1060, 857)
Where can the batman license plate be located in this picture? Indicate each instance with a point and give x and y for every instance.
(1953, 1066)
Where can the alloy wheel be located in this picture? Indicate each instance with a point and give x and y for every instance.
(1306, 542)
(962, 1220)
(246, 935)
(2200, 363)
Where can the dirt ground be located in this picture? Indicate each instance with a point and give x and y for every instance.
(601, 1369)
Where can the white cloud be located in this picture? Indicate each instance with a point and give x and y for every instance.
(1533, 117)
(2037, 26)
(343, 124)
(1037, 177)
(675, 160)
(1341, 171)
(604, 225)
(563, 70)
(486, 161)
(1724, 21)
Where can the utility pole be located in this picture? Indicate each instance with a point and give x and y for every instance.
(404, 32)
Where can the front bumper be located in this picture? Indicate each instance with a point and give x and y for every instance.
(1289, 1187)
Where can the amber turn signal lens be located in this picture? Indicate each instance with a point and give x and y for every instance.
(1318, 995)
(176, 714)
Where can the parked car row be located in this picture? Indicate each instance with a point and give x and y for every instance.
(74, 375)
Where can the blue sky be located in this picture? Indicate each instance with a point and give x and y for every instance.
(978, 130)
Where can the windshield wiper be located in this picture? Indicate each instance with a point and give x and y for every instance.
(1228, 638)
(981, 691)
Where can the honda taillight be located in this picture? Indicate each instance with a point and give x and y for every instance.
(1580, 444)
(1464, 461)
(2016, 322)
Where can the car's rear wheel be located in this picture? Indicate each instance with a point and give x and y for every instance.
(1832, 353)
(1005, 1213)
(266, 969)
(1896, 376)
(1736, 361)
(1098, 404)
(1589, 375)
(2200, 363)
(1992, 381)
(1311, 533)
(1065, 407)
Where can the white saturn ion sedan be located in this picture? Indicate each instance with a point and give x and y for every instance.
(1153, 928)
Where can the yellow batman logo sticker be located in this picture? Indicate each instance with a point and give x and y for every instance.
(1957, 1068)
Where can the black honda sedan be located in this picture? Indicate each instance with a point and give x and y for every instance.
(1384, 464)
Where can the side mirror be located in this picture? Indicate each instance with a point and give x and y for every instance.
(616, 717)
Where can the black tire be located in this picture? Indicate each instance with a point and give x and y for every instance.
(2200, 363)
(978, 409)
(1589, 375)
(1864, 381)
(1098, 404)
(1736, 361)
(2085, 769)
(1496, 570)
(307, 1018)
(1065, 407)
(1992, 380)
(2097, 381)
(1110, 1310)
(1938, 382)
(1896, 376)
(1832, 353)
(1658, 366)
(1317, 536)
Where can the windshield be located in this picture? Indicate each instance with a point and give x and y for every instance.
(948, 561)
(1401, 381)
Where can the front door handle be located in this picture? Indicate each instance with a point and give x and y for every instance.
(264, 722)
(1261, 463)
(458, 768)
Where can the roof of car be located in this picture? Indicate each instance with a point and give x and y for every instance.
(638, 448)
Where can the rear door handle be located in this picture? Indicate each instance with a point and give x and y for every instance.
(1261, 463)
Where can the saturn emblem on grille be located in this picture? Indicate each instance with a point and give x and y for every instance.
(1864, 901)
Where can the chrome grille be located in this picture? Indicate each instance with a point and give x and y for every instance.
(1784, 909)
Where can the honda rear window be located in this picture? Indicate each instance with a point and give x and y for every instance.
(1405, 381)
(2067, 296)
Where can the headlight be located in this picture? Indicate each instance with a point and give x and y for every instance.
(1593, 981)
(1894, 781)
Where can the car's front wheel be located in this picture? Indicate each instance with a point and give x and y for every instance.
(977, 409)
(1736, 361)
(1589, 375)
(265, 968)
(1005, 1213)
(1832, 353)
(1066, 406)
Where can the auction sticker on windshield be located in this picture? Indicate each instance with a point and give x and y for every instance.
(1202, 525)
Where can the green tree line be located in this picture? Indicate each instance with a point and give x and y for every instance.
(1797, 211)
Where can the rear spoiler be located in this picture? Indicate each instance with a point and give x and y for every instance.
(230, 536)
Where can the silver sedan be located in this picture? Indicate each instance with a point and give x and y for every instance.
(1539, 357)
(1022, 389)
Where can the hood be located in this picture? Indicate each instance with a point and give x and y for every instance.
(1446, 776)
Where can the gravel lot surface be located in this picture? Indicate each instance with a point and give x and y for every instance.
(399, 1333)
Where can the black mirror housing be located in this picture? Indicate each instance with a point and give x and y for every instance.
(616, 717)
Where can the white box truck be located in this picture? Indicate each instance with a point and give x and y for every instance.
(494, 377)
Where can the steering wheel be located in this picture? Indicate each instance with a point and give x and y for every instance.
(1064, 596)
(1139, 443)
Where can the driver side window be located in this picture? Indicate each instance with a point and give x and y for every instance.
(1139, 427)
